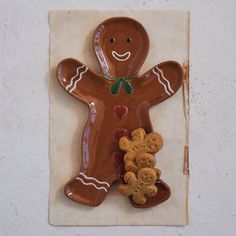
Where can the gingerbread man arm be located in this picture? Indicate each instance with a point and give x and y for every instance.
(78, 80)
(130, 177)
(160, 82)
(151, 190)
(139, 198)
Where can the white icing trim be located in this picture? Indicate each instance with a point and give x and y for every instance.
(80, 77)
(68, 191)
(77, 73)
(168, 83)
(102, 59)
(100, 182)
(159, 79)
(78, 178)
(117, 55)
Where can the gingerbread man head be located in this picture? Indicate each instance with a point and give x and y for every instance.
(121, 46)
(147, 176)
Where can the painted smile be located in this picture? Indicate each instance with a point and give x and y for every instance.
(121, 57)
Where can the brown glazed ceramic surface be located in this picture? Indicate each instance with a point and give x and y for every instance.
(119, 101)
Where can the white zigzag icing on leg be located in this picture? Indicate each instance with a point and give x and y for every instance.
(103, 188)
(87, 177)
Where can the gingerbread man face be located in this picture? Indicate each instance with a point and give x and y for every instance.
(121, 46)
(147, 176)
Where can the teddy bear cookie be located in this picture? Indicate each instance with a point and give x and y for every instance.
(141, 186)
(140, 149)
(118, 100)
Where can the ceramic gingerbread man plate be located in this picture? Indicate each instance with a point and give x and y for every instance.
(119, 99)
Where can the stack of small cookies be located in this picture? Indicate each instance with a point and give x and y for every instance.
(141, 174)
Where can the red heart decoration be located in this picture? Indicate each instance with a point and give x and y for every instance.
(121, 111)
(120, 132)
(118, 157)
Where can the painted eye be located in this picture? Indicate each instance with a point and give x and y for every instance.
(128, 40)
(112, 39)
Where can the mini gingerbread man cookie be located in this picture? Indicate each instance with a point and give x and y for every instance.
(140, 148)
(140, 187)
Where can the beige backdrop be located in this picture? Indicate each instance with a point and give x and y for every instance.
(71, 36)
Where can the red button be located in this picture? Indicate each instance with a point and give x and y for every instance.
(120, 132)
(121, 111)
(118, 157)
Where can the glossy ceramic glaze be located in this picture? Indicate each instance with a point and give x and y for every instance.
(119, 101)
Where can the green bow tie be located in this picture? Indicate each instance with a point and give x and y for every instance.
(118, 82)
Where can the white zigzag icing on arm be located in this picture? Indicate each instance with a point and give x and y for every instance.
(80, 77)
(78, 178)
(72, 79)
(87, 177)
(168, 83)
(159, 79)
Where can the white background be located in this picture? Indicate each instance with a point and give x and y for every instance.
(24, 77)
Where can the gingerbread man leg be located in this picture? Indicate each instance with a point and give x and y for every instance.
(98, 169)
